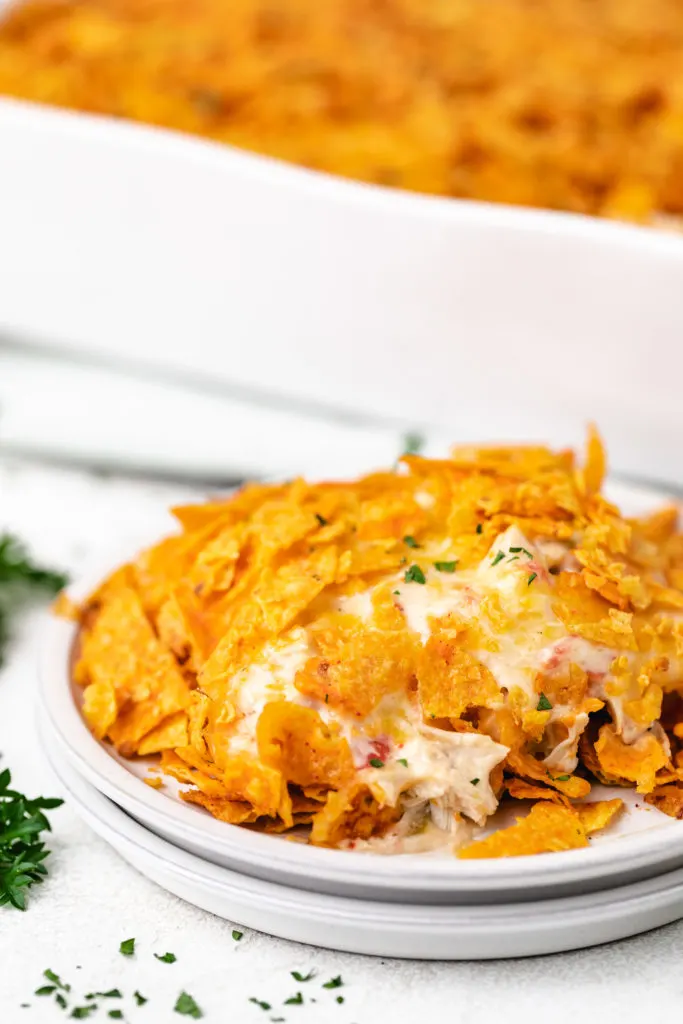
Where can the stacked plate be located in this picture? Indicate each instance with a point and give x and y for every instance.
(419, 905)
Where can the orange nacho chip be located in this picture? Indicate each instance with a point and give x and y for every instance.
(547, 828)
(451, 680)
(638, 762)
(297, 742)
(351, 813)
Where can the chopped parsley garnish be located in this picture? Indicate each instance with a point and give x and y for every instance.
(562, 778)
(83, 1012)
(398, 592)
(480, 528)
(259, 1002)
(115, 1014)
(376, 762)
(21, 851)
(56, 980)
(474, 782)
(543, 703)
(45, 990)
(403, 761)
(414, 575)
(531, 579)
(413, 443)
(113, 993)
(298, 976)
(410, 541)
(186, 1005)
(334, 982)
(517, 551)
(340, 999)
(445, 566)
(296, 1000)
(127, 947)
(237, 935)
(60, 1000)
(499, 557)
(321, 519)
(139, 998)
(166, 958)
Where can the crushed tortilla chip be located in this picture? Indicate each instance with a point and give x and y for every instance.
(546, 829)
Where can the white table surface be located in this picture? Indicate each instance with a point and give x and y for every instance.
(92, 899)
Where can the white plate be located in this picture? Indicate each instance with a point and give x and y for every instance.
(645, 842)
(363, 926)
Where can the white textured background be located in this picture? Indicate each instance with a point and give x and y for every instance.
(92, 899)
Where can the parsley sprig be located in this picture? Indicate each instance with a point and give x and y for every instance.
(20, 578)
(22, 853)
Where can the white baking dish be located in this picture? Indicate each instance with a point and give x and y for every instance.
(220, 266)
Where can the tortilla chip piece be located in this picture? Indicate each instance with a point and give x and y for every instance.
(168, 735)
(598, 814)
(638, 762)
(121, 649)
(275, 602)
(367, 667)
(451, 679)
(593, 473)
(153, 781)
(667, 799)
(232, 811)
(528, 767)
(547, 828)
(351, 813)
(521, 790)
(297, 742)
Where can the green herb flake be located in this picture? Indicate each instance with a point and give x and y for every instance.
(139, 998)
(376, 762)
(166, 958)
(237, 935)
(414, 575)
(410, 541)
(60, 1000)
(115, 1014)
(186, 1006)
(296, 1000)
(520, 550)
(340, 999)
(543, 703)
(403, 761)
(398, 592)
(531, 579)
(480, 528)
(127, 947)
(298, 976)
(445, 566)
(56, 980)
(45, 990)
(259, 1002)
(321, 519)
(334, 982)
(83, 1012)
(499, 558)
(413, 443)
(562, 778)
(474, 782)
(113, 993)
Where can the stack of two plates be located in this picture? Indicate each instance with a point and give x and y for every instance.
(420, 905)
